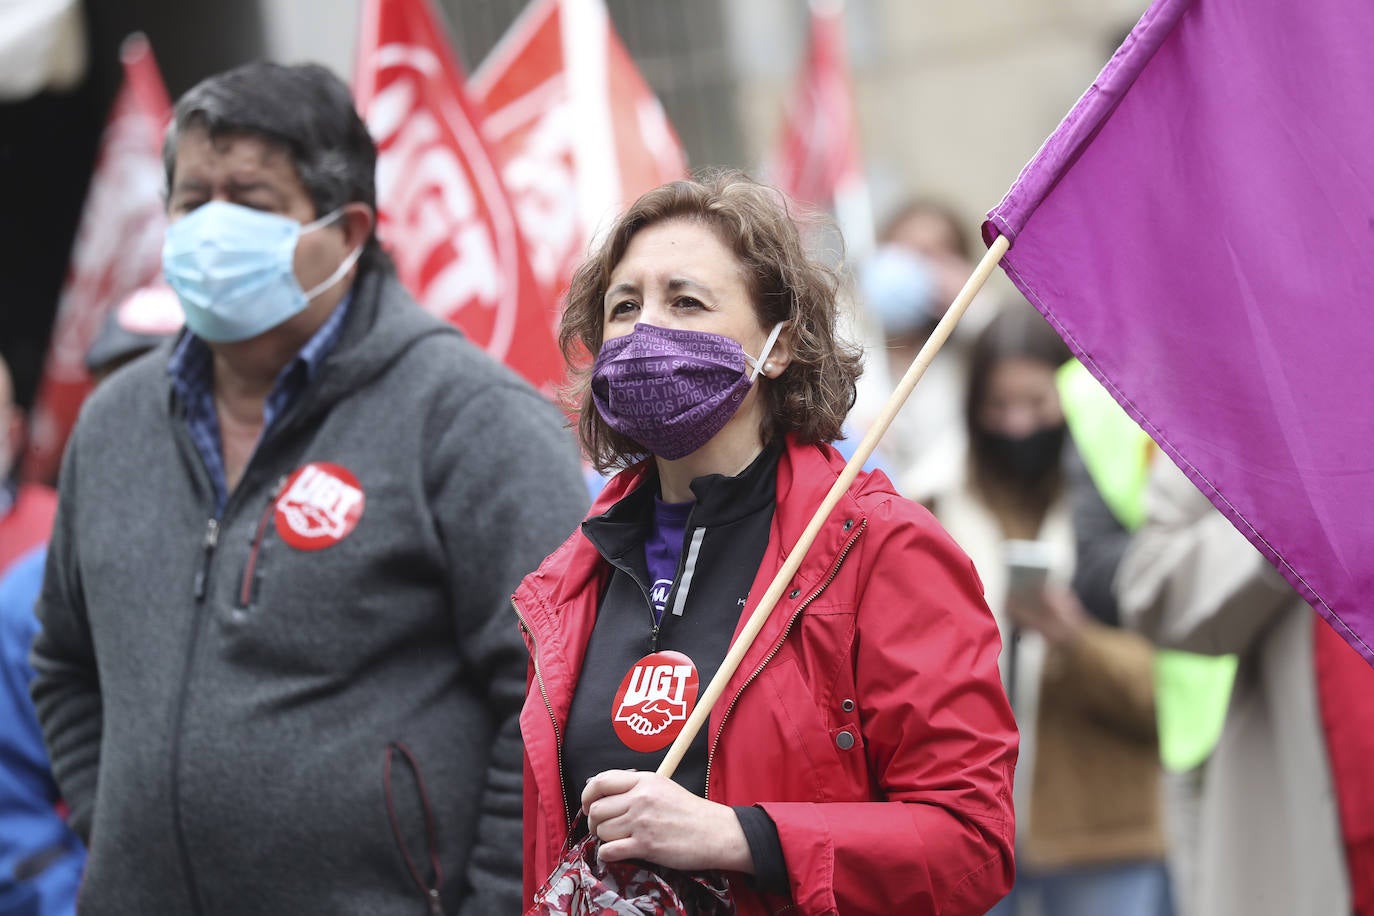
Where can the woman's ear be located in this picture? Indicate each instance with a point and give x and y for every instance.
(780, 357)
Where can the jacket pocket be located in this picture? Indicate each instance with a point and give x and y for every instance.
(420, 853)
(835, 774)
(252, 567)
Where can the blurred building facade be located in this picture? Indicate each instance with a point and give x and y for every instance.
(953, 96)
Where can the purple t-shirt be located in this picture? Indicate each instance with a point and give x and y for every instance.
(663, 549)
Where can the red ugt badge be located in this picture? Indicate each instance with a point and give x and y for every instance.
(654, 700)
(319, 506)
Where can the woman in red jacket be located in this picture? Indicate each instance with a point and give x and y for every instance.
(860, 759)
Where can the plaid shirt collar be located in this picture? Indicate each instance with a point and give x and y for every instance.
(191, 369)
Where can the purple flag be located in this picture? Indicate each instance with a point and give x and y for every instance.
(1200, 230)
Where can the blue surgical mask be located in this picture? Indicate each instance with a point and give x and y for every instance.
(898, 287)
(233, 269)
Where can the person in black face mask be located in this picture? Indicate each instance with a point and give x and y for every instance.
(1081, 691)
(1025, 458)
(1015, 423)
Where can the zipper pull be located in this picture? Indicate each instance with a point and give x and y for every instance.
(436, 907)
(211, 539)
(653, 639)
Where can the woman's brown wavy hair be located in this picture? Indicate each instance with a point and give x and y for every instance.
(814, 393)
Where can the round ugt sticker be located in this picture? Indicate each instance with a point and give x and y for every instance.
(654, 700)
(320, 504)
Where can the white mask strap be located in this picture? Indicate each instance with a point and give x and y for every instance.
(337, 275)
(323, 221)
(767, 348)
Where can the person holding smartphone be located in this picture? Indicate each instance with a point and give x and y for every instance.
(1089, 835)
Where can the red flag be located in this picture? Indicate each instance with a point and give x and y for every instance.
(818, 158)
(118, 249)
(443, 212)
(578, 132)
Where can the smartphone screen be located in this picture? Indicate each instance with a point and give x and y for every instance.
(1028, 565)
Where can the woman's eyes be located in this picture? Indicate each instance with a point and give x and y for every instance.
(683, 303)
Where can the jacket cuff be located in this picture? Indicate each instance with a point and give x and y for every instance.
(770, 868)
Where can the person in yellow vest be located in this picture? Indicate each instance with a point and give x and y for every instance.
(1191, 691)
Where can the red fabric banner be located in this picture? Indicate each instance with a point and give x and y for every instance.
(118, 249)
(444, 214)
(578, 132)
(817, 161)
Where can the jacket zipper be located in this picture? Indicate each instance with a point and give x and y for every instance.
(557, 737)
(207, 554)
(250, 569)
(835, 571)
(200, 588)
(655, 615)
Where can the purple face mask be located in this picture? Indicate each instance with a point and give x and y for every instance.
(672, 390)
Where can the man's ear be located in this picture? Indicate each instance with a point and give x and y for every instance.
(357, 222)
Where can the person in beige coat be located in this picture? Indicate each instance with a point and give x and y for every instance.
(1270, 837)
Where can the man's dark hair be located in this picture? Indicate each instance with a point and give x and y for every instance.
(304, 109)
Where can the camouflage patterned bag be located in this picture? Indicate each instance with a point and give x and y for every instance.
(583, 885)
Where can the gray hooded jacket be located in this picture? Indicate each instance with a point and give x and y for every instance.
(241, 726)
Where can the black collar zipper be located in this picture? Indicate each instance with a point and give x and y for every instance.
(669, 600)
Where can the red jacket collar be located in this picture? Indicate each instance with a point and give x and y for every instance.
(557, 602)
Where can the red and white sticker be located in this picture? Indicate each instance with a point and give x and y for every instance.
(654, 700)
(319, 506)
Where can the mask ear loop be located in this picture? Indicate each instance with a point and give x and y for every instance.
(337, 275)
(767, 348)
(330, 217)
(344, 265)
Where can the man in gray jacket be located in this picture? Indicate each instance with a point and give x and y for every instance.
(276, 671)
